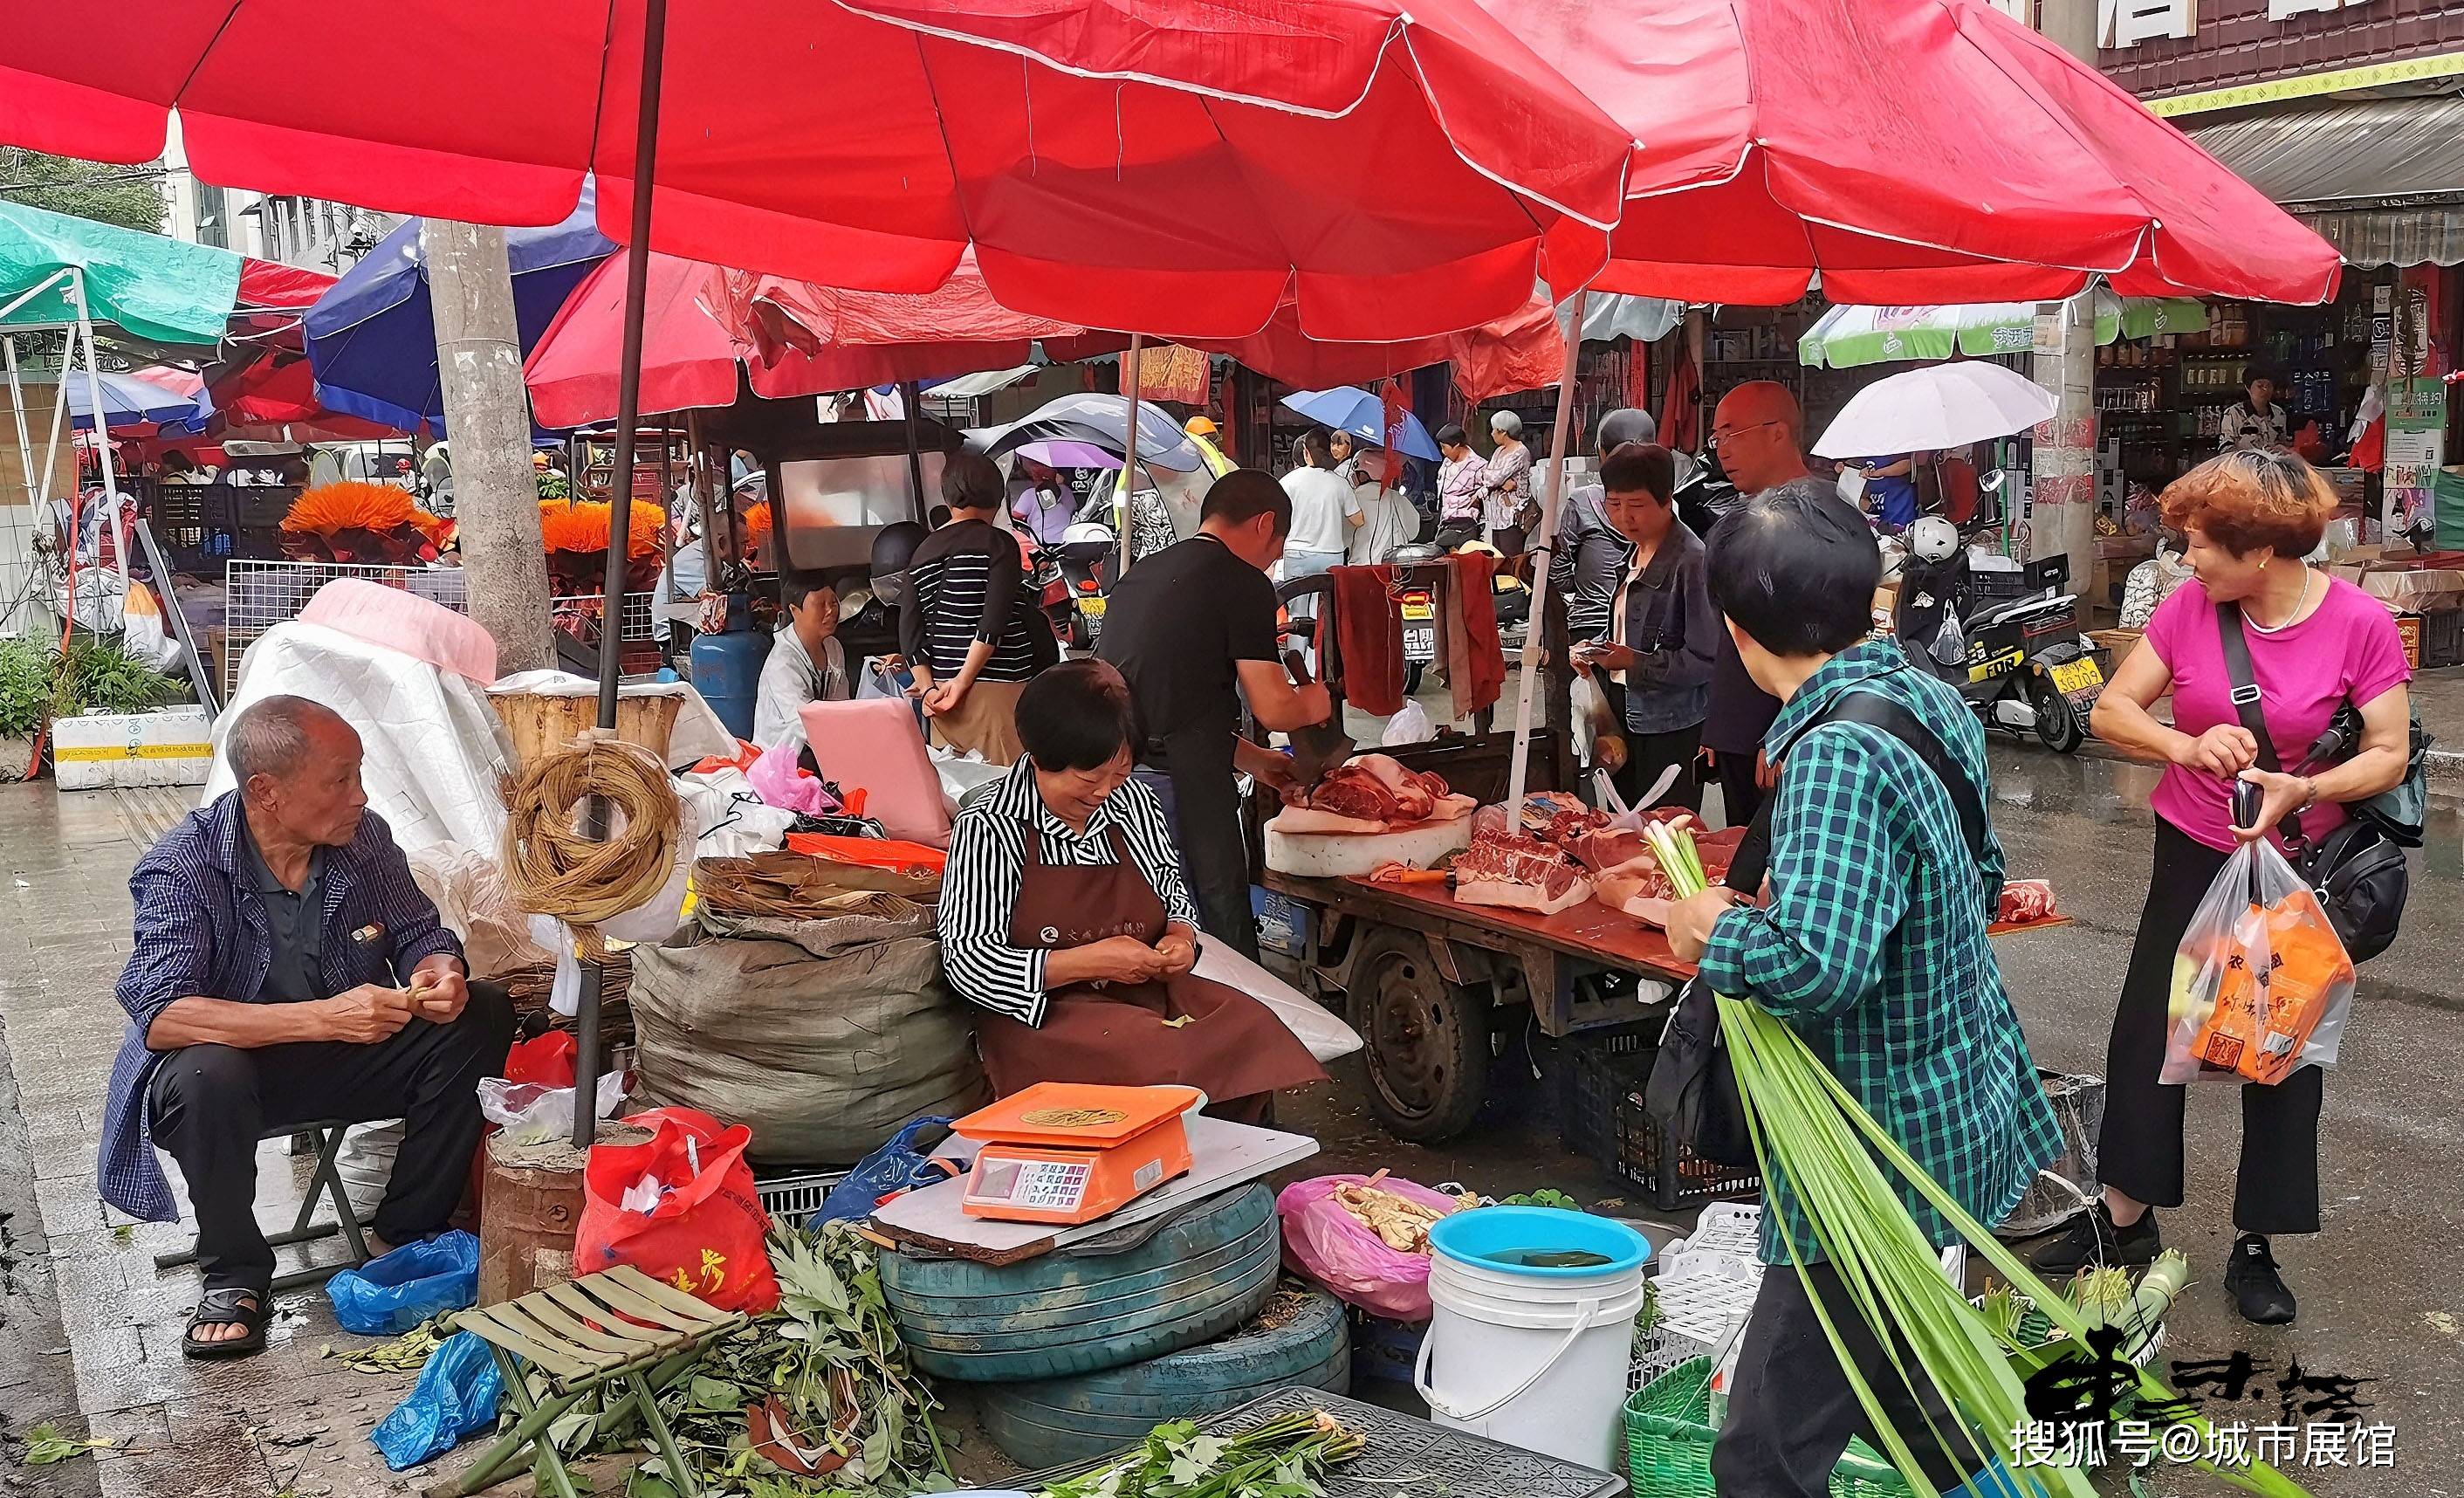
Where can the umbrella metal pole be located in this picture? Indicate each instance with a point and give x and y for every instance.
(620, 504)
(1535, 631)
(17, 409)
(1132, 367)
(911, 394)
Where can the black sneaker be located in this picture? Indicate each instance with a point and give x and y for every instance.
(2091, 1239)
(2258, 1292)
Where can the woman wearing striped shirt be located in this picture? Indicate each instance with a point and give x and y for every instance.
(1064, 914)
(970, 627)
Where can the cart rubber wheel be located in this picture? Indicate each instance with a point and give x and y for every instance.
(2058, 723)
(1427, 1050)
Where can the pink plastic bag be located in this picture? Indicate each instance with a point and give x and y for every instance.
(1328, 1245)
(780, 782)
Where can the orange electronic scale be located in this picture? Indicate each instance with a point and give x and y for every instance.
(1067, 1152)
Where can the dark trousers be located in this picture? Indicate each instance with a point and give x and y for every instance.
(1791, 1411)
(210, 1104)
(1647, 756)
(1738, 792)
(1203, 811)
(2139, 1151)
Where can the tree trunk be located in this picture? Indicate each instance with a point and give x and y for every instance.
(487, 415)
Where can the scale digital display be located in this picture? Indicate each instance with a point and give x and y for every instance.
(1041, 1185)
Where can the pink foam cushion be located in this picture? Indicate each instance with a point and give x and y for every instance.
(874, 745)
(401, 620)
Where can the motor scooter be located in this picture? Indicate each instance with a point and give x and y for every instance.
(2010, 641)
(1073, 577)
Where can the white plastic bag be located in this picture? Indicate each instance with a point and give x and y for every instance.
(1410, 726)
(533, 1114)
(2261, 983)
(1310, 1022)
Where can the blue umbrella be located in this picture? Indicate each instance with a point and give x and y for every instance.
(371, 341)
(1347, 408)
(125, 399)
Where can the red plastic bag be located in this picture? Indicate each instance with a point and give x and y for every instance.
(1328, 1245)
(544, 1059)
(706, 1234)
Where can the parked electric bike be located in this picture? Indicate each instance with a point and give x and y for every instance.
(2010, 641)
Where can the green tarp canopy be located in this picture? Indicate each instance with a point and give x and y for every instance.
(151, 287)
(1848, 337)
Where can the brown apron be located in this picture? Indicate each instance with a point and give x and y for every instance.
(1231, 1046)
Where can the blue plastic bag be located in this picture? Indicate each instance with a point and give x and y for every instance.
(896, 1166)
(394, 1293)
(455, 1397)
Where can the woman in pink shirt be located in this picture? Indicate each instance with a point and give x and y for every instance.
(2316, 642)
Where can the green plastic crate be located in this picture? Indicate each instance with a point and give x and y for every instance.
(1668, 1435)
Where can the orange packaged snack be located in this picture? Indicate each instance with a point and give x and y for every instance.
(2261, 982)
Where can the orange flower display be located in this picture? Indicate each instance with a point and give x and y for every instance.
(581, 525)
(353, 521)
(575, 533)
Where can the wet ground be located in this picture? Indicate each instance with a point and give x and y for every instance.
(2379, 1297)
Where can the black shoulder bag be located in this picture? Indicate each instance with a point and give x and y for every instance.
(2358, 871)
(1692, 1090)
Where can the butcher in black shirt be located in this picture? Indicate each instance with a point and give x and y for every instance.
(1191, 628)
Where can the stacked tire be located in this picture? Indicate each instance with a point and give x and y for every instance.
(1086, 1349)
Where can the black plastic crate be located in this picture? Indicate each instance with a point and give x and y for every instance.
(1604, 1119)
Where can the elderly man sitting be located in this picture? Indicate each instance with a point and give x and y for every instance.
(286, 970)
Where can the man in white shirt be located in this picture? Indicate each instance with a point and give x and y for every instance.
(806, 662)
(1324, 512)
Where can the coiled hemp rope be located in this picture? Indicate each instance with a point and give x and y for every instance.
(553, 867)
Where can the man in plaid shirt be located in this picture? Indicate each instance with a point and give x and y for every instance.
(1871, 948)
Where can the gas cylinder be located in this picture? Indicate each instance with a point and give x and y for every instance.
(727, 668)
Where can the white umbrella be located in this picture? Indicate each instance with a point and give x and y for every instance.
(1943, 406)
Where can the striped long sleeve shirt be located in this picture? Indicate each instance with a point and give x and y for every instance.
(966, 584)
(988, 862)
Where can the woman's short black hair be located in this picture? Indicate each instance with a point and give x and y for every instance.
(1639, 468)
(970, 481)
(1077, 716)
(1795, 567)
(1452, 435)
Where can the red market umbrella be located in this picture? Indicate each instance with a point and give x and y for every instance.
(1177, 167)
(1910, 151)
(702, 324)
(1521, 352)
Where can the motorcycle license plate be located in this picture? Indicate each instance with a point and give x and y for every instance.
(2080, 676)
(1419, 608)
(1419, 642)
(1091, 605)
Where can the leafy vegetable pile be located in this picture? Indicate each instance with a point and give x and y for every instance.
(815, 1397)
(1285, 1457)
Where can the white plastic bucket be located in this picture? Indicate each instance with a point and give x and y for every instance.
(1532, 1356)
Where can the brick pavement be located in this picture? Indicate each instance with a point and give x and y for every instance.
(290, 1424)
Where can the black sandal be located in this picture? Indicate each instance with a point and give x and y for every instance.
(234, 1305)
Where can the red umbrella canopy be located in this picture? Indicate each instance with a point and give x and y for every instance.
(703, 323)
(1910, 151)
(1175, 165)
(1521, 352)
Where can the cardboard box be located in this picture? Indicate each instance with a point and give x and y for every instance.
(168, 746)
(2408, 628)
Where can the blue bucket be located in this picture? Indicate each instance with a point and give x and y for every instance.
(1496, 1239)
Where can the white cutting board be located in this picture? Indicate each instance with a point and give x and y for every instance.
(1334, 855)
(1221, 1155)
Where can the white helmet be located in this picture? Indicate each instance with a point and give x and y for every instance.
(1933, 539)
(1087, 531)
